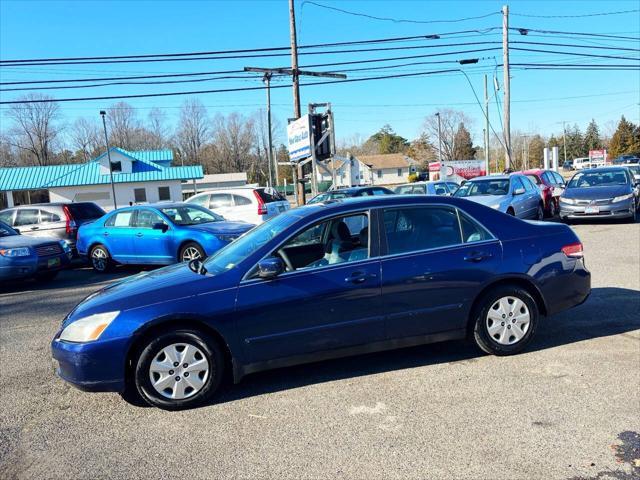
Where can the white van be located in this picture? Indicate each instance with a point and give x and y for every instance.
(248, 204)
(581, 163)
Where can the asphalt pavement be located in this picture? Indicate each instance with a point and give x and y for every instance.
(567, 408)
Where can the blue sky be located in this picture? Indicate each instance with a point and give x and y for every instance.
(37, 29)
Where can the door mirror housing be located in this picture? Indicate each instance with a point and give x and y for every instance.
(270, 267)
(161, 226)
(196, 266)
(17, 231)
(518, 191)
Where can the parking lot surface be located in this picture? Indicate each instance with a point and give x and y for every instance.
(567, 408)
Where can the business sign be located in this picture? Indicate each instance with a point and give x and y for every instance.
(598, 156)
(299, 139)
(466, 169)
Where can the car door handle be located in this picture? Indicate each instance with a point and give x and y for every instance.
(359, 277)
(35, 228)
(477, 257)
(139, 234)
(106, 234)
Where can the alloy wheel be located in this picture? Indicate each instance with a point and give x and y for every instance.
(99, 259)
(191, 253)
(179, 371)
(508, 320)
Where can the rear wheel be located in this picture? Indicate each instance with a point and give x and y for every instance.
(540, 212)
(100, 259)
(179, 369)
(505, 320)
(191, 251)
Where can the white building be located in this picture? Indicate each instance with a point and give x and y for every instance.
(387, 169)
(138, 177)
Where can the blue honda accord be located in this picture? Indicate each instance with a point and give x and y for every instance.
(159, 234)
(325, 280)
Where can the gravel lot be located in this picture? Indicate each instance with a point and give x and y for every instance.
(568, 408)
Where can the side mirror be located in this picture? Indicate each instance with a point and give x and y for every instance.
(270, 267)
(196, 266)
(518, 191)
(161, 226)
(17, 230)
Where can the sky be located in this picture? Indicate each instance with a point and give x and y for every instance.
(541, 99)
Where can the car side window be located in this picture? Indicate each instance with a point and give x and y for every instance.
(378, 191)
(202, 200)
(46, 217)
(27, 216)
(421, 228)
(528, 186)
(338, 240)
(7, 217)
(440, 189)
(535, 179)
(240, 200)
(558, 177)
(472, 231)
(219, 200)
(516, 184)
(146, 219)
(120, 219)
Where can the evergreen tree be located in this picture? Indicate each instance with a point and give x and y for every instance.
(463, 146)
(553, 142)
(575, 143)
(388, 141)
(626, 139)
(592, 139)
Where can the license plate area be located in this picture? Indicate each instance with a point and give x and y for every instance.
(591, 209)
(53, 262)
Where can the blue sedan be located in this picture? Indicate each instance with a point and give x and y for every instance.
(155, 235)
(25, 257)
(322, 281)
(512, 194)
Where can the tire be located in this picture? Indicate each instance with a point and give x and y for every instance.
(100, 259)
(46, 277)
(539, 212)
(189, 251)
(184, 387)
(493, 333)
(634, 215)
(511, 212)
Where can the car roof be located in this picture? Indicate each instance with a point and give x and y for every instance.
(493, 177)
(605, 169)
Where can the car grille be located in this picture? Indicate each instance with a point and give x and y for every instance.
(602, 201)
(48, 249)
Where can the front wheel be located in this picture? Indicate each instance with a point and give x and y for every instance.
(191, 251)
(179, 369)
(100, 259)
(505, 320)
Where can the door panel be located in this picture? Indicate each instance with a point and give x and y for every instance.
(152, 246)
(310, 311)
(118, 236)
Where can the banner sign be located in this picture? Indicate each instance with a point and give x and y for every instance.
(598, 156)
(299, 139)
(466, 169)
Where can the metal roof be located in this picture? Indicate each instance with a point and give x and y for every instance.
(33, 178)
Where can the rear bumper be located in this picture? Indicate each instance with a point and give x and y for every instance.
(568, 291)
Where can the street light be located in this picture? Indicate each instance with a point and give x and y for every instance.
(106, 141)
(443, 170)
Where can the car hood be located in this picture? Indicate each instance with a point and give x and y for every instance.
(594, 193)
(487, 199)
(16, 241)
(147, 288)
(226, 228)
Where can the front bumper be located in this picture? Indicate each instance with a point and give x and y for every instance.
(94, 366)
(24, 267)
(622, 209)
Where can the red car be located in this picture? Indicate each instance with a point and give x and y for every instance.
(551, 184)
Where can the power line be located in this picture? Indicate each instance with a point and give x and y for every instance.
(525, 30)
(238, 89)
(573, 45)
(395, 20)
(573, 53)
(599, 14)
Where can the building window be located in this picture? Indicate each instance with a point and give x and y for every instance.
(399, 172)
(116, 166)
(140, 195)
(379, 173)
(164, 193)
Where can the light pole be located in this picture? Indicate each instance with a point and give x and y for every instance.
(106, 141)
(267, 80)
(443, 171)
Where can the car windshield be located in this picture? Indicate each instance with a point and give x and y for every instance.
(236, 251)
(498, 186)
(6, 230)
(323, 197)
(635, 169)
(598, 179)
(190, 215)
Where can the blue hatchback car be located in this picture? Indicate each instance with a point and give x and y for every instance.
(159, 234)
(323, 281)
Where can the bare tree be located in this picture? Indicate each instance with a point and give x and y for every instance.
(85, 137)
(234, 138)
(35, 128)
(192, 132)
(123, 125)
(450, 121)
(157, 128)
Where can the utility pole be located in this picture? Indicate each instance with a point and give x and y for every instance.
(525, 152)
(564, 140)
(267, 80)
(486, 127)
(507, 86)
(296, 91)
(443, 170)
(106, 141)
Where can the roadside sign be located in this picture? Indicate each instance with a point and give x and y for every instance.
(299, 140)
(598, 157)
(465, 169)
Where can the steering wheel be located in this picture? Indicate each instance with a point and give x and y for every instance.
(287, 260)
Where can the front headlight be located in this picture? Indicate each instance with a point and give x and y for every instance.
(15, 252)
(496, 205)
(89, 328)
(569, 201)
(227, 237)
(622, 197)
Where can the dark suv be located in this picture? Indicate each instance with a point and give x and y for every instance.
(59, 220)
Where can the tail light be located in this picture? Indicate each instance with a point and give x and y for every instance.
(262, 208)
(70, 226)
(573, 250)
